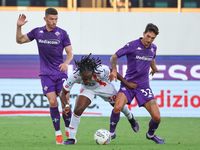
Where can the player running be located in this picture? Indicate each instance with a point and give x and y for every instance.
(94, 81)
(140, 55)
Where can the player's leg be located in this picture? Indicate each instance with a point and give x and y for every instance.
(49, 90)
(82, 102)
(66, 118)
(55, 115)
(59, 85)
(130, 117)
(153, 109)
(109, 94)
(121, 100)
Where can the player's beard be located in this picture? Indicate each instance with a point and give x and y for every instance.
(51, 26)
(147, 44)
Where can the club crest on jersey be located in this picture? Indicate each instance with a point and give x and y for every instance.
(139, 48)
(81, 91)
(57, 33)
(152, 49)
(45, 88)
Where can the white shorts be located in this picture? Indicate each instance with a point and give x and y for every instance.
(108, 93)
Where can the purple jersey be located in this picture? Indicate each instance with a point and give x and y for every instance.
(138, 61)
(50, 47)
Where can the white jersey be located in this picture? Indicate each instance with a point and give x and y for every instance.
(99, 85)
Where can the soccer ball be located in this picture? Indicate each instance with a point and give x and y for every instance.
(102, 137)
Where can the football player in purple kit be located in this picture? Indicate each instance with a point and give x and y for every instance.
(140, 55)
(51, 41)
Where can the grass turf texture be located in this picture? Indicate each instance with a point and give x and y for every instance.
(37, 133)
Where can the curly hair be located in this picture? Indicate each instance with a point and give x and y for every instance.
(87, 64)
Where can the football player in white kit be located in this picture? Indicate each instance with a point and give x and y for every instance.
(94, 81)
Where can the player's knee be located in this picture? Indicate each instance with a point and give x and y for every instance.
(157, 118)
(117, 109)
(53, 103)
(78, 111)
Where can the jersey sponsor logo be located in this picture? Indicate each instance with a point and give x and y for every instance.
(49, 41)
(149, 58)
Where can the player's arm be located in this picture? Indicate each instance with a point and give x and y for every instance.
(20, 38)
(64, 97)
(63, 67)
(153, 67)
(113, 74)
(65, 92)
(130, 85)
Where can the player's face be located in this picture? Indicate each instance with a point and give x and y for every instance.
(148, 38)
(86, 77)
(51, 21)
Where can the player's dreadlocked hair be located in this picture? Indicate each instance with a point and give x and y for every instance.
(87, 64)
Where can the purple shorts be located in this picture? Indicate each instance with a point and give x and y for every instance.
(52, 83)
(142, 94)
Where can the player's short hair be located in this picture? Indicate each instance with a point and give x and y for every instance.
(50, 11)
(87, 64)
(151, 27)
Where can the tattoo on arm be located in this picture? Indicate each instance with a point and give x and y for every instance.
(153, 102)
(20, 37)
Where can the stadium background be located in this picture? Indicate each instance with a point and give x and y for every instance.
(102, 30)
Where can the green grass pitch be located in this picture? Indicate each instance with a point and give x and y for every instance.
(37, 133)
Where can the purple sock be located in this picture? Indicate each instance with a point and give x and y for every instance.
(152, 127)
(67, 119)
(55, 116)
(113, 121)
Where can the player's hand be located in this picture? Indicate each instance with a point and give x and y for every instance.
(112, 76)
(153, 71)
(131, 85)
(63, 67)
(21, 20)
(66, 110)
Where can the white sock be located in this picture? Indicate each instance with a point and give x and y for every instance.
(127, 112)
(73, 126)
(58, 133)
(67, 129)
(111, 134)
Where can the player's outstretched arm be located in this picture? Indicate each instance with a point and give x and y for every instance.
(20, 38)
